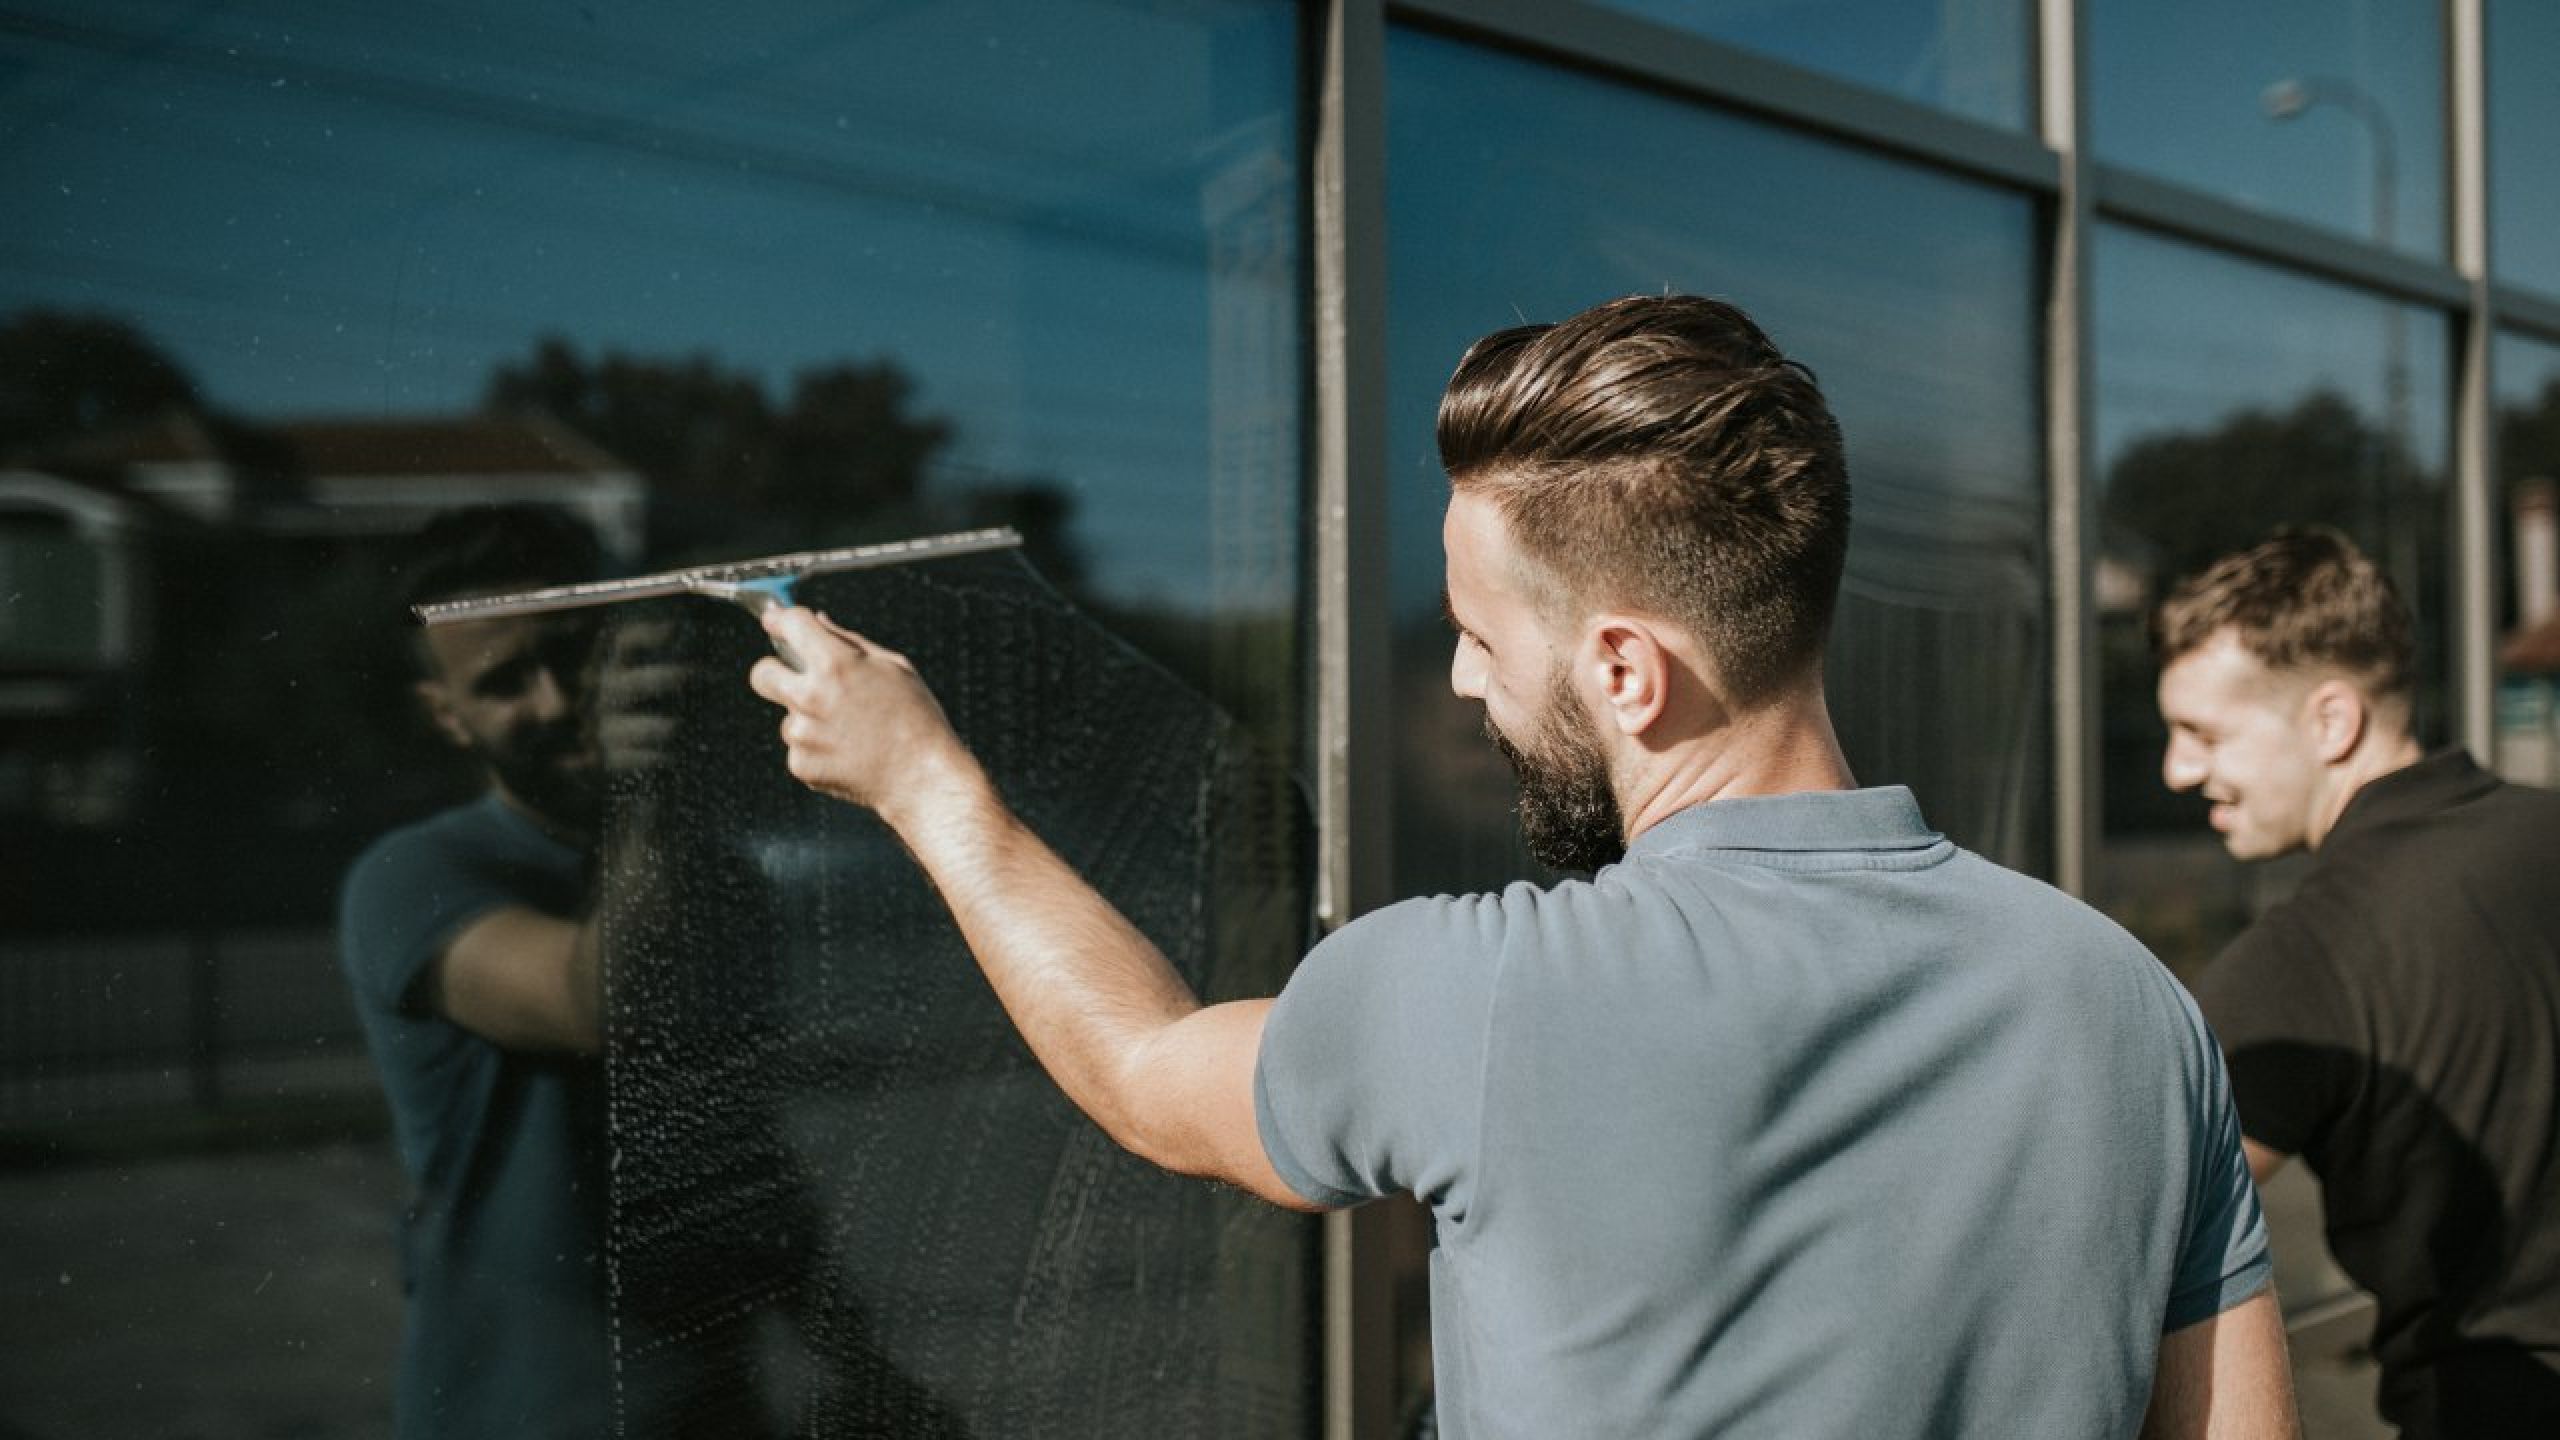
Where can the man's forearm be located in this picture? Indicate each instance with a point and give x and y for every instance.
(1085, 988)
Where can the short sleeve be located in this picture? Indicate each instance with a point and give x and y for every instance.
(1370, 1077)
(405, 900)
(2288, 1029)
(2223, 1258)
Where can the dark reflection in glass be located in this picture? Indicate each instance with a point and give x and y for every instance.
(2233, 399)
(2528, 523)
(2524, 110)
(837, 1165)
(1974, 57)
(282, 278)
(1524, 193)
(2321, 111)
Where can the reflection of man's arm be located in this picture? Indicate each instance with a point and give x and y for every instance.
(1109, 1018)
(522, 980)
(2264, 1160)
(2225, 1377)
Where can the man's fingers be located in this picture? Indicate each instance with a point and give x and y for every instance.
(774, 680)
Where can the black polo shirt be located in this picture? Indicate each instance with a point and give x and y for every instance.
(2396, 1023)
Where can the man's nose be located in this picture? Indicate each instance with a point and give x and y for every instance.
(549, 696)
(1466, 671)
(2182, 765)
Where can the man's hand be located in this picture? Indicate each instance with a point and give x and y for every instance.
(1106, 1014)
(861, 725)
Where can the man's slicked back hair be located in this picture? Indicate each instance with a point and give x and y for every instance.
(2303, 598)
(1658, 453)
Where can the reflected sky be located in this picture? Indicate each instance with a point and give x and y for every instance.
(2177, 88)
(1070, 222)
(1520, 192)
(1973, 57)
(2524, 113)
(2186, 337)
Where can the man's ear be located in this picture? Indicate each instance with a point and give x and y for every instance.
(437, 701)
(1632, 669)
(2338, 714)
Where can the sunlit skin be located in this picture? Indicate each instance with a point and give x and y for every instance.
(1672, 734)
(2278, 753)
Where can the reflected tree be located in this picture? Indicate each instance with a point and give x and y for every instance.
(65, 374)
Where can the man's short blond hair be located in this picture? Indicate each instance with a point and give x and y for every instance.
(2302, 599)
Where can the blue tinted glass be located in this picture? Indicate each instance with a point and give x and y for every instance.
(2528, 525)
(2321, 111)
(1973, 57)
(2524, 112)
(280, 280)
(2233, 399)
(1520, 192)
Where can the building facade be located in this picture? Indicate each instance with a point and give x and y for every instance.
(2099, 289)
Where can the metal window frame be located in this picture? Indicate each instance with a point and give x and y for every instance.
(2048, 159)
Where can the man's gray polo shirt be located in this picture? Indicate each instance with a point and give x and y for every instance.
(1800, 1122)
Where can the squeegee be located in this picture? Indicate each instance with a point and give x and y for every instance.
(753, 585)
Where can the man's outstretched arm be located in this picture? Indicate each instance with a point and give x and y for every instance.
(1105, 1012)
(2226, 1377)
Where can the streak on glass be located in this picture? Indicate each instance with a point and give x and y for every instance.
(846, 1200)
(2233, 398)
(1523, 193)
(2325, 111)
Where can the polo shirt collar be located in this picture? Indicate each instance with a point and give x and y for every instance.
(2441, 780)
(1884, 818)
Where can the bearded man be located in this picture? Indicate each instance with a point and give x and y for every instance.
(465, 939)
(1794, 1118)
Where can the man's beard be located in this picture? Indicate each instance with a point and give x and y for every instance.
(1569, 815)
(541, 771)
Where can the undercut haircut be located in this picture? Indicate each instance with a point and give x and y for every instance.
(2303, 599)
(1659, 454)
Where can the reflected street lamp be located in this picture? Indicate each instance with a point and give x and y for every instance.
(2294, 96)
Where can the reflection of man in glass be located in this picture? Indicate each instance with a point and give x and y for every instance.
(476, 978)
(2396, 1022)
(1794, 1119)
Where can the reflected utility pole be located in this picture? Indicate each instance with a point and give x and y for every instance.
(2291, 97)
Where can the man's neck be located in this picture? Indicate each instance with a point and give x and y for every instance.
(2380, 755)
(1784, 748)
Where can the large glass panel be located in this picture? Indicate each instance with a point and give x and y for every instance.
(281, 279)
(2524, 112)
(1974, 57)
(2233, 399)
(2528, 562)
(2326, 111)
(1517, 191)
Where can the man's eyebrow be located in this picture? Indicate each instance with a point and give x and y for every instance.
(1449, 612)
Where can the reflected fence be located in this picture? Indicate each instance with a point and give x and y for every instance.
(98, 1026)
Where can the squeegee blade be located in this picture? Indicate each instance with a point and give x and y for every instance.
(798, 565)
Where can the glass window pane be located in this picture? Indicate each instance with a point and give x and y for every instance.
(1973, 57)
(2524, 112)
(2316, 110)
(280, 279)
(2233, 399)
(2528, 562)
(1518, 191)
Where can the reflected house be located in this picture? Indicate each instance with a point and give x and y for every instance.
(162, 567)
